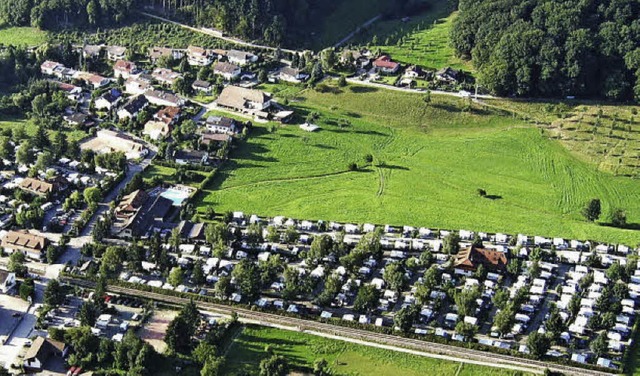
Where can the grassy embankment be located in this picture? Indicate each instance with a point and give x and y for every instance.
(302, 350)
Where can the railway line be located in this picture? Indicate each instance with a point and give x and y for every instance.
(291, 323)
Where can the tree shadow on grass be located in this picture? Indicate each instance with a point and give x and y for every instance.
(493, 197)
(363, 89)
(393, 167)
(326, 147)
(628, 226)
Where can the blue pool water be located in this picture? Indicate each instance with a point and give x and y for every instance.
(175, 195)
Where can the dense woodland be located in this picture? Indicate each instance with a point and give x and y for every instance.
(553, 47)
(273, 21)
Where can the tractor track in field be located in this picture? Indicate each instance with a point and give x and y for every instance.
(300, 178)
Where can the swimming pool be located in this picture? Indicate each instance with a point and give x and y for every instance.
(178, 196)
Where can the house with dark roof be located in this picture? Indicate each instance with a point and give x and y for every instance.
(41, 351)
(467, 260)
(221, 124)
(33, 246)
(384, 64)
(108, 100)
(191, 231)
(78, 119)
(155, 210)
(190, 157)
(449, 75)
(133, 107)
(202, 86)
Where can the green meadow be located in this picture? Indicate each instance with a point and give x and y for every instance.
(302, 350)
(22, 36)
(429, 160)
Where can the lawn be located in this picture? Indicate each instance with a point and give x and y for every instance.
(429, 162)
(22, 36)
(301, 350)
(30, 128)
(423, 40)
(168, 175)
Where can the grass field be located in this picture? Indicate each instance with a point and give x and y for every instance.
(423, 40)
(301, 350)
(22, 36)
(168, 175)
(30, 128)
(429, 161)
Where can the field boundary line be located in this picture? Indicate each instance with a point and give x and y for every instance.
(311, 177)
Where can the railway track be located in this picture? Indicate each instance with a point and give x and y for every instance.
(463, 354)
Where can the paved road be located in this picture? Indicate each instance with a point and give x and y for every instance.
(351, 35)
(218, 36)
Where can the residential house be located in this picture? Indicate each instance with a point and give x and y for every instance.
(199, 56)
(202, 86)
(154, 211)
(227, 70)
(91, 51)
(190, 157)
(133, 107)
(468, 260)
(449, 75)
(74, 93)
(168, 115)
(124, 69)
(415, 71)
(156, 53)
(108, 100)
(48, 67)
(221, 124)
(163, 98)
(40, 351)
(94, 80)
(33, 246)
(44, 188)
(241, 57)
(116, 53)
(129, 205)
(244, 100)
(385, 65)
(294, 75)
(78, 120)
(208, 139)
(7, 281)
(165, 76)
(156, 130)
(136, 86)
(360, 59)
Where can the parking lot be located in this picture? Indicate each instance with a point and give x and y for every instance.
(11, 309)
